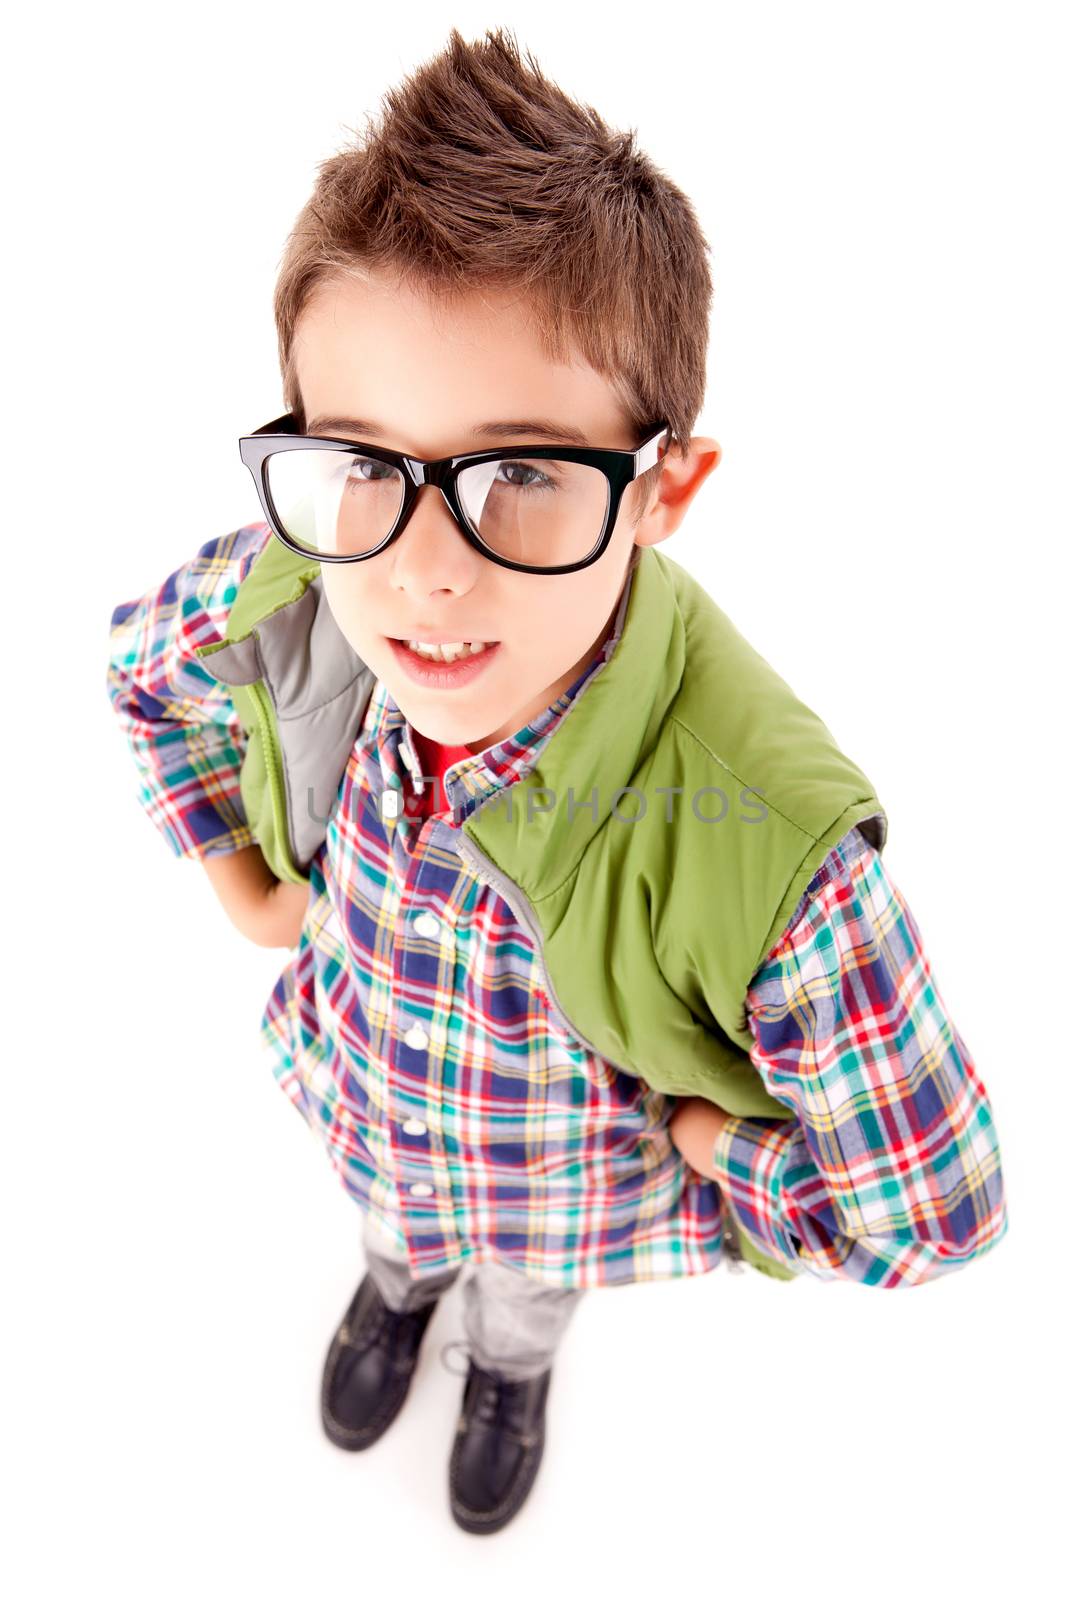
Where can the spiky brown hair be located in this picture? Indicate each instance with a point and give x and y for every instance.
(481, 173)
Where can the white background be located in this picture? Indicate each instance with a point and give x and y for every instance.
(881, 187)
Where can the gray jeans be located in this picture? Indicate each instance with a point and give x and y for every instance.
(513, 1323)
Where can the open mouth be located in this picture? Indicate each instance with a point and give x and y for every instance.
(456, 664)
(454, 650)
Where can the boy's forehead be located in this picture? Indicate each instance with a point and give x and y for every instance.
(422, 368)
(384, 322)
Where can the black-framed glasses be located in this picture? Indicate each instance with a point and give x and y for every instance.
(539, 508)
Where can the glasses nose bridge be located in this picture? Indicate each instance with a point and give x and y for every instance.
(439, 473)
(436, 475)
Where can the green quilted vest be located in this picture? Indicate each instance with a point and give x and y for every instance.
(653, 854)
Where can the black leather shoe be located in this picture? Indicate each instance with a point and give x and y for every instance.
(500, 1439)
(369, 1366)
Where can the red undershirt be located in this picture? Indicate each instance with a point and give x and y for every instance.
(434, 759)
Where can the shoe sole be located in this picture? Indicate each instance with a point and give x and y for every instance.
(489, 1521)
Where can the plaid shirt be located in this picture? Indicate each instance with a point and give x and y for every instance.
(412, 1029)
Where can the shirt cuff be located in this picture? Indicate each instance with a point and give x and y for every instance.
(195, 827)
(749, 1159)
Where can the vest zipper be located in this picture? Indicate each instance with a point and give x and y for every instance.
(271, 759)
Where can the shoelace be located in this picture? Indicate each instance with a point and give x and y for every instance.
(375, 1318)
(504, 1399)
(369, 1331)
(456, 1344)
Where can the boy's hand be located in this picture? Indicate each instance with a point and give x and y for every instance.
(695, 1126)
(281, 918)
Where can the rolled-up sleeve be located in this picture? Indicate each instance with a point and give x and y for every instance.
(180, 724)
(889, 1172)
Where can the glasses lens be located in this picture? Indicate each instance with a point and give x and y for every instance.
(538, 513)
(331, 502)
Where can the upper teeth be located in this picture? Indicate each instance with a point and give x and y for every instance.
(445, 652)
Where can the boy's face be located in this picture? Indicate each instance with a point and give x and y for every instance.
(427, 375)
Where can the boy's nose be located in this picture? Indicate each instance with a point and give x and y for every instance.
(433, 542)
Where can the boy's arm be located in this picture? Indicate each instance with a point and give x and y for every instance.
(266, 911)
(181, 725)
(889, 1173)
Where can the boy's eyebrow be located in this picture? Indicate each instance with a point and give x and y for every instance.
(553, 432)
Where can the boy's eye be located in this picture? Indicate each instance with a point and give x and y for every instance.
(364, 469)
(528, 477)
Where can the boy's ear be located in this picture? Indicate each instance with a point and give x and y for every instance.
(679, 481)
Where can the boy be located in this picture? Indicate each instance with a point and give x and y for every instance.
(499, 1073)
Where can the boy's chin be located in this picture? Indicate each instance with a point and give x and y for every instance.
(427, 716)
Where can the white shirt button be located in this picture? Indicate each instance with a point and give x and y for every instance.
(390, 805)
(427, 924)
(417, 1037)
(423, 1190)
(413, 1125)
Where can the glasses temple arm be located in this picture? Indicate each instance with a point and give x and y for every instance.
(648, 454)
